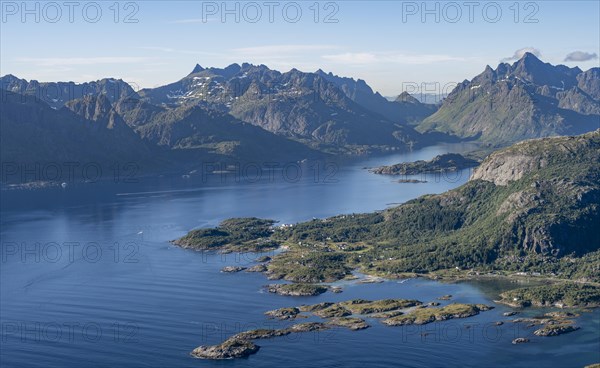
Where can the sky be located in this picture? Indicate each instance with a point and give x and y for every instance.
(392, 45)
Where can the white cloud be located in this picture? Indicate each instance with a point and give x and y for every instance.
(83, 61)
(280, 50)
(390, 57)
(352, 58)
(581, 56)
(173, 51)
(520, 52)
(281, 57)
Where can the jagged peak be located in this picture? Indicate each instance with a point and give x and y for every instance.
(406, 97)
(12, 76)
(323, 73)
(197, 69)
(530, 56)
(250, 67)
(233, 66)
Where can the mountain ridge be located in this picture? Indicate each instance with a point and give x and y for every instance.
(527, 99)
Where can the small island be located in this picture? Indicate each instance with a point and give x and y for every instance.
(440, 163)
(241, 345)
(232, 269)
(297, 289)
(411, 181)
(342, 314)
(233, 235)
(421, 316)
(561, 295)
(229, 349)
(555, 330)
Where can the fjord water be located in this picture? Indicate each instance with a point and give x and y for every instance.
(89, 278)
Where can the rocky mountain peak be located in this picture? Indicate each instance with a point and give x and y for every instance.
(197, 69)
(406, 97)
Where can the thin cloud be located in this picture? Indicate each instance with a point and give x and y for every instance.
(172, 51)
(581, 56)
(83, 61)
(520, 52)
(280, 50)
(193, 20)
(364, 58)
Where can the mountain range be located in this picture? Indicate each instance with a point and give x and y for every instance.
(250, 112)
(317, 108)
(528, 99)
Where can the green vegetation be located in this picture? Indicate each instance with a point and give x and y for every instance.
(359, 306)
(283, 313)
(229, 349)
(238, 234)
(240, 345)
(336, 310)
(420, 316)
(446, 162)
(562, 295)
(349, 322)
(297, 289)
(337, 315)
(314, 307)
(531, 208)
(309, 267)
(497, 108)
(555, 330)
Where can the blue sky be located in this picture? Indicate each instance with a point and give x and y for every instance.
(387, 43)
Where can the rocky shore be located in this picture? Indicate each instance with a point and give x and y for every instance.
(421, 316)
(297, 289)
(445, 162)
(229, 349)
(342, 314)
(241, 345)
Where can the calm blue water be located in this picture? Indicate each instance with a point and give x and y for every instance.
(88, 278)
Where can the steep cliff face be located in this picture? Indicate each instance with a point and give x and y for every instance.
(554, 196)
(589, 82)
(511, 164)
(98, 109)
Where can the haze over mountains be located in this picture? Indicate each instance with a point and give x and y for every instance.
(57, 94)
(248, 112)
